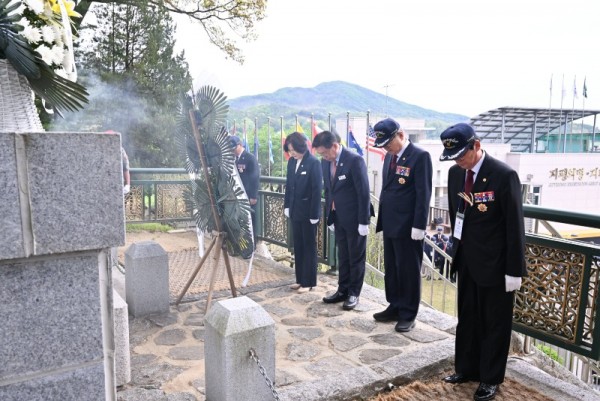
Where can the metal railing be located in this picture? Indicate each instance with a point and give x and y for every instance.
(558, 303)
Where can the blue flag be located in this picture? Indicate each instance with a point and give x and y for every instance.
(271, 159)
(354, 145)
(256, 145)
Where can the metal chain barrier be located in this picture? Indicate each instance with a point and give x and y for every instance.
(263, 372)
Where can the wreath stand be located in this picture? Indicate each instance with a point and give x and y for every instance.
(220, 237)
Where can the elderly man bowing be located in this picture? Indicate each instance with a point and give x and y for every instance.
(403, 212)
(486, 213)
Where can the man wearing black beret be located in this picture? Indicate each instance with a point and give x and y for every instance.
(403, 213)
(486, 215)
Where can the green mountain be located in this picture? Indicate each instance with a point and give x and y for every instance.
(335, 97)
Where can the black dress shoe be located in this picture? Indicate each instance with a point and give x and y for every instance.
(350, 303)
(388, 315)
(404, 326)
(455, 379)
(485, 392)
(336, 297)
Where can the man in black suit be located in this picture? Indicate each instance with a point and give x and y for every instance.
(403, 212)
(249, 171)
(488, 249)
(348, 204)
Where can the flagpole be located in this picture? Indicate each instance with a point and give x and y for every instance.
(573, 109)
(562, 96)
(549, 108)
(348, 129)
(583, 97)
(312, 131)
(329, 120)
(245, 135)
(269, 145)
(281, 142)
(367, 138)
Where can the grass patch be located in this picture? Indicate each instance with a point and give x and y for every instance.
(149, 227)
(552, 353)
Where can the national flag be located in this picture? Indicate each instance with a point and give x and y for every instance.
(300, 130)
(245, 138)
(285, 154)
(315, 130)
(256, 145)
(371, 143)
(354, 144)
(584, 88)
(271, 159)
(575, 96)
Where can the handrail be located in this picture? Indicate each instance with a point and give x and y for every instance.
(562, 216)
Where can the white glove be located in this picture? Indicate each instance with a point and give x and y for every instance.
(417, 234)
(363, 229)
(126, 189)
(314, 221)
(331, 227)
(286, 211)
(512, 283)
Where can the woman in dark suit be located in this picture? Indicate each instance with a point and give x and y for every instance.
(302, 205)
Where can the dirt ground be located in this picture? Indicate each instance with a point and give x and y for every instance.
(173, 241)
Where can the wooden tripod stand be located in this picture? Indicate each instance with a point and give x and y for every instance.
(221, 236)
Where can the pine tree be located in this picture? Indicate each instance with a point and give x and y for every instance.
(135, 79)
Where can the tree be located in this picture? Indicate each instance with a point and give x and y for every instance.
(135, 81)
(221, 19)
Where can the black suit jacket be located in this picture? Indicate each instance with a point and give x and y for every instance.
(303, 188)
(247, 166)
(405, 193)
(493, 234)
(349, 189)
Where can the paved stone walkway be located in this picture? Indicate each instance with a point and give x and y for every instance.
(322, 352)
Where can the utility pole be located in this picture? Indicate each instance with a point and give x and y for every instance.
(386, 98)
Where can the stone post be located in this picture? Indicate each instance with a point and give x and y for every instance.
(146, 279)
(62, 210)
(233, 327)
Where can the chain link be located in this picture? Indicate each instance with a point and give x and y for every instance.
(263, 372)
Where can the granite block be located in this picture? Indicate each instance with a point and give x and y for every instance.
(51, 314)
(11, 245)
(76, 192)
(85, 383)
(146, 279)
(233, 327)
(121, 336)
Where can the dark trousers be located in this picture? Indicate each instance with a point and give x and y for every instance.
(305, 252)
(402, 259)
(352, 254)
(484, 329)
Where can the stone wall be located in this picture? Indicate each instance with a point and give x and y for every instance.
(62, 209)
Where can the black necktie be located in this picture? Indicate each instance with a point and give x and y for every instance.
(469, 181)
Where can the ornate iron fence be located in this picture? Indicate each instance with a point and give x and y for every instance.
(558, 302)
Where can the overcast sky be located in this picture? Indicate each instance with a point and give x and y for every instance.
(465, 56)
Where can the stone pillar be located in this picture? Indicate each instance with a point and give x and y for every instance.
(146, 279)
(233, 327)
(121, 334)
(62, 209)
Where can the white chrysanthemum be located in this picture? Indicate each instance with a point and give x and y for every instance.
(37, 6)
(48, 34)
(59, 35)
(58, 55)
(32, 34)
(45, 53)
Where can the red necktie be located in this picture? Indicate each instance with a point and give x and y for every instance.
(393, 164)
(333, 170)
(469, 181)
